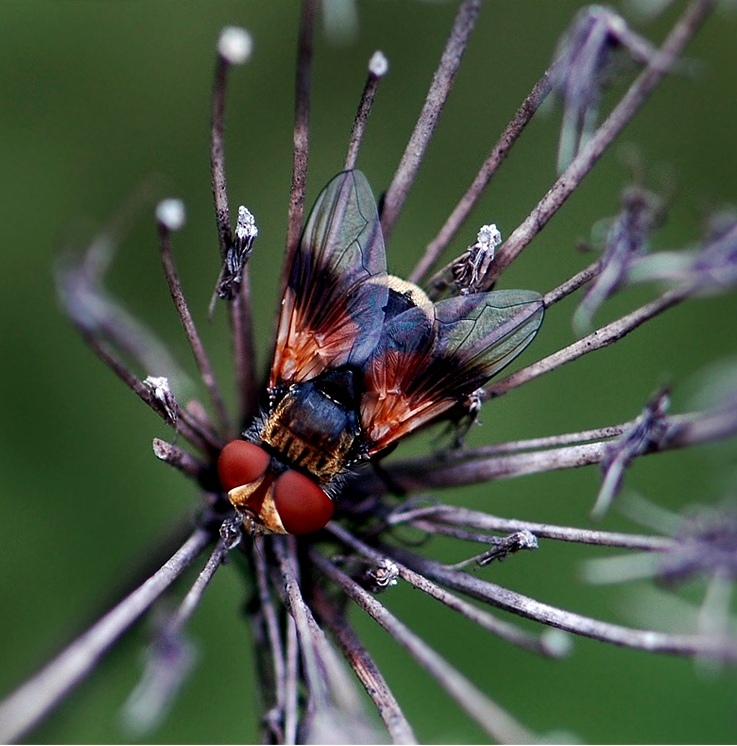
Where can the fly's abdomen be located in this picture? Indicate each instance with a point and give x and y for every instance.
(315, 426)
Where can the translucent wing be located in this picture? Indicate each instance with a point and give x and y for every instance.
(330, 314)
(483, 333)
(416, 374)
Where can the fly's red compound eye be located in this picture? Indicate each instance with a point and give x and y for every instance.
(241, 462)
(302, 505)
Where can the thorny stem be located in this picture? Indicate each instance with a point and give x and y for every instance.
(195, 343)
(499, 724)
(434, 103)
(649, 640)
(30, 703)
(648, 80)
(495, 158)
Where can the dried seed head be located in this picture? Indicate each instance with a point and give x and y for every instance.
(381, 576)
(470, 270)
(626, 240)
(159, 387)
(378, 64)
(238, 255)
(650, 430)
(314, 690)
(706, 544)
(171, 214)
(235, 45)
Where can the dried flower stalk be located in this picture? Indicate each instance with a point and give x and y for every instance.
(305, 588)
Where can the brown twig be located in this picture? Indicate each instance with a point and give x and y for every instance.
(378, 67)
(443, 515)
(303, 85)
(658, 66)
(273, 653)
(32, 701)
(189, 428)
(433, 106)
(240, 306)
(330, 709)
(598, 339)
(217, 156)
(650, 640)
(178, 458)
(507, 632)
(462, 210)
(365, 669)
(497, 723)
(195, 343)
(474, 467)
(244, 354)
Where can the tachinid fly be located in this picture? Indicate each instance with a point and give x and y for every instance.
(362, 358)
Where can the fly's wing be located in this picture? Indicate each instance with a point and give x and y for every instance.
(330, 314)
(411, 383)
(483, 333)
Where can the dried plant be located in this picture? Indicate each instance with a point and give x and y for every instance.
(390, 521)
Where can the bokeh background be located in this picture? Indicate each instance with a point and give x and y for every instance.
(102, 99)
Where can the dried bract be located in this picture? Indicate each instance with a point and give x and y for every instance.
(626, 240)
(647, 433)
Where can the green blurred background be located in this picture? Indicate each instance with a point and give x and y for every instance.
(99, 98)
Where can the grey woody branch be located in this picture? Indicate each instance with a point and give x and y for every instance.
(437, 95)
(207, 373)
(657, 67)
(475, 466)
(495, 721)
(504, 630)
(364, 667)
(378, 67)
(718, 647)
(31, 702)
(462, 210)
